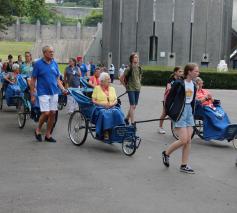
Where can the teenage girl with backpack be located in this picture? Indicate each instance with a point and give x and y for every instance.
(179, 106)
(131, 79)
(177, 74)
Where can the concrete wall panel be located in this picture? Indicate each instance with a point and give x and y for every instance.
(182, 30)
(164, 12)
(106, 33)
(145, 29)
(27, 32)
(48, 32)
(68, 32)
(128, 29)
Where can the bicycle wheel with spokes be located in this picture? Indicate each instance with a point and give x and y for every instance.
(77, 128)
(129, 146)
(234, 141)
(21, 113)
(175, 133)
(199, 127)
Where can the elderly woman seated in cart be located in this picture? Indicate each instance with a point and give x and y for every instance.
(107, 115)
(215, 120)
(203, 95)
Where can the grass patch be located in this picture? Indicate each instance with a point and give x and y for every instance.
(14, 48)
(62, 67)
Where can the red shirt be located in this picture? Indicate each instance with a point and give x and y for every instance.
(94, 80)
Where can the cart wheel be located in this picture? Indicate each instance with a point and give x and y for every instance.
(234, 141)
(1, 98)
(21, 114)
(77, 128)
(60, 106)
(175, 134)
(199, 128)
(129, 146)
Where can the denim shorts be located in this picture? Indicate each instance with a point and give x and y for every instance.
(186, 118)
(133, 97)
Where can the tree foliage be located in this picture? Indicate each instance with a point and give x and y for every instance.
(7, 10)
(94, 18)
(88, 3)
(33, 9)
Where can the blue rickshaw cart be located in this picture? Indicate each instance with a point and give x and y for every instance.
(81, 123)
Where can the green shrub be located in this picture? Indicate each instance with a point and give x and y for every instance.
(94, 18)
(213, 80)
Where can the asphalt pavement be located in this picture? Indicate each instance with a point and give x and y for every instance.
(99, 178)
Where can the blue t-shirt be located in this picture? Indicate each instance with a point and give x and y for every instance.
(92, 69)
(73, 76)
(83, 69)
(47, 76)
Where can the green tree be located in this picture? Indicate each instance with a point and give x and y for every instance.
(37, 10)
(94, 18)
(8, 9)
(89, 3)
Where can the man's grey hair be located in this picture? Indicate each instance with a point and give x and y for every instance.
(103, 76)
(45, 48)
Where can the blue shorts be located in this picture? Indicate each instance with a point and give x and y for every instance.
(186, 118)
(133, 97)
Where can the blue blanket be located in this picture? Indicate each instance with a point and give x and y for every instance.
(106, 119)
(12, 92)
(215, 122)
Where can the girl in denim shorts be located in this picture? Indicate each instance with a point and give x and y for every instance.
(184, 92)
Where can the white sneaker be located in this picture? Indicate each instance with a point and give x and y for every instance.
(161, 130)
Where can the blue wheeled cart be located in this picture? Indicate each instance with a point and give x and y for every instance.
(81, 123)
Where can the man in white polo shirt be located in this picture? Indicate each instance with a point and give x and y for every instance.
(46, 76)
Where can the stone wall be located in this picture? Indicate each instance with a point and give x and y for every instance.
(29, 32)
(75, 12)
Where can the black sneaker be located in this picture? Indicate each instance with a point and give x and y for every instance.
(165, 159)
(52, 140)
(38, 137)
(187, 169)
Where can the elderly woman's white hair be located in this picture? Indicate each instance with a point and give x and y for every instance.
(104, 76)
(198, 79)
(15, 67)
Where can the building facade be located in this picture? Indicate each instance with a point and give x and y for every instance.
(167, 32)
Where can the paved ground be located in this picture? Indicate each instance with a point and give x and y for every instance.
(99, 178)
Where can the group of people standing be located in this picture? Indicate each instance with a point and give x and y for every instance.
(180, 91)
(25, 67)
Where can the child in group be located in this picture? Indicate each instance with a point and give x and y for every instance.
(94, 80)
(177, 74)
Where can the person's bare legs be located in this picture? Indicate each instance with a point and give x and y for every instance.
(187, 147)
(131, 112)
(43, 118)
(50, 123)
(183, 140)
(162, 117)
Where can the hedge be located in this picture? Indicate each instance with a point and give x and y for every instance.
(212, 80)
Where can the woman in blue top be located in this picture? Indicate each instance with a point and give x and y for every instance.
(27, 67)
